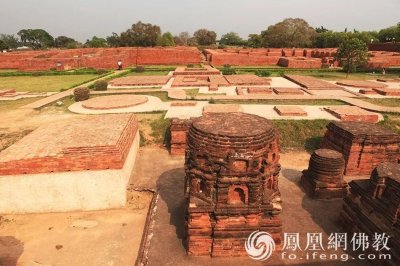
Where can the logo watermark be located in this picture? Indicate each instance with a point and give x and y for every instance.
(260, 245)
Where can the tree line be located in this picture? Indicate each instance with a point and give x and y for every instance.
(291, 32)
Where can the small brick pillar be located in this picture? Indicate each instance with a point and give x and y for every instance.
(324, 177)
(179, 129)
(231, 185)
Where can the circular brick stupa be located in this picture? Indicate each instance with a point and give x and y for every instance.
(324, 177)
(232, 168)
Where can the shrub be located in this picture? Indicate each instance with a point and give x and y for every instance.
(139, 69)
(211, 101)
(101, 71)
(263, 73)
(281, 73)
(100, 85)
(190, 65)
(81, 94)
(228, 70)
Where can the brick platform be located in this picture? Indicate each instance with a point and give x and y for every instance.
(388, 80)
(7, 91)
(196, 71)
(140, 81)
(312, 83)
(238, 80)
(222, 108)
(256, 90)
(363, 145)
(183, 103)
(373, 207)
(300, 62)
(231, 185)
(114, 102)
(290, 111)
(84, 143)
(368, 91)
(388, 92)
(353, 114)
(324, 177)
(288, 91)
(361, 84)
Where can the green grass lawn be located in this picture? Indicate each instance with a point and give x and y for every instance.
(43, 83)
(12, 105)
(385, 102)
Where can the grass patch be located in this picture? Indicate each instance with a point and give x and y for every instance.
(154, 129)
(191, 93)
(163, 95)
(392, 102)
(301, 134)
(283, 102)
(391, 122)
(44, 83)
(12, 105)
(149, 73)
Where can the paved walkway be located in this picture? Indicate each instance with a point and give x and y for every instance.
(55, 97)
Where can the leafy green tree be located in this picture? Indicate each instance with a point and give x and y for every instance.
(141, 34)
(352, 53)
(114, 40)
(167, 39)
(36, 38)
(231, 38)
(64, 42)
(10, 41)
(3, 46)
(321, 29)
(291, 32)
(205, 37)
(96, 42)
(389, 34)
(254, 41)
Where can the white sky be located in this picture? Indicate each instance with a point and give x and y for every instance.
(83, 19)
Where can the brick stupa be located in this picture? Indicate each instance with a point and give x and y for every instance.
(232, 168)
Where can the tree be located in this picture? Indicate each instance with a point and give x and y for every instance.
(231, 38)
(114, 40)
(389, 34)
(291, 32)
(36, 38)
(205, 37)
(352, 53)
(96, 42)
(141, 34)
(9, 40)
(254, 41)
(167, 39)
(64, 42)
(182, 38)
(3, 46)
(321, 29)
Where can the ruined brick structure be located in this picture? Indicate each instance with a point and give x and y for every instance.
(324, 177)
(79, 144)
(373, 206)
(178, 131)
(106, 58)
(232, 168)
(363, 145)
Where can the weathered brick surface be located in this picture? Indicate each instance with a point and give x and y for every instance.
(363, 145)
(84, 143)
(196, 71)
(290, 110)
(373, 206)
(231, 185)
(140, 81)
(361, 84)
(383, 59)
(222, 108)
(288, 91)
(388, 91)
(300, 62)
(311, 83)
(114, 102)
(238, 80)
(324, 177)
(98, 58)
(257, 90)
(353, 114)
(179, 129)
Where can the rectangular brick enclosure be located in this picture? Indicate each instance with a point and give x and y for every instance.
(98, 58)
(82, 143)
(140, 81)
(353, 114)
(363, 145)
(312, 83)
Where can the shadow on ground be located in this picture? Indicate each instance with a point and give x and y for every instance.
(10, 250)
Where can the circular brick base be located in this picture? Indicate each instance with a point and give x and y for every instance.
(114, 102)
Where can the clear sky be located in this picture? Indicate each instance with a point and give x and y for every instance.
(85, 18)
